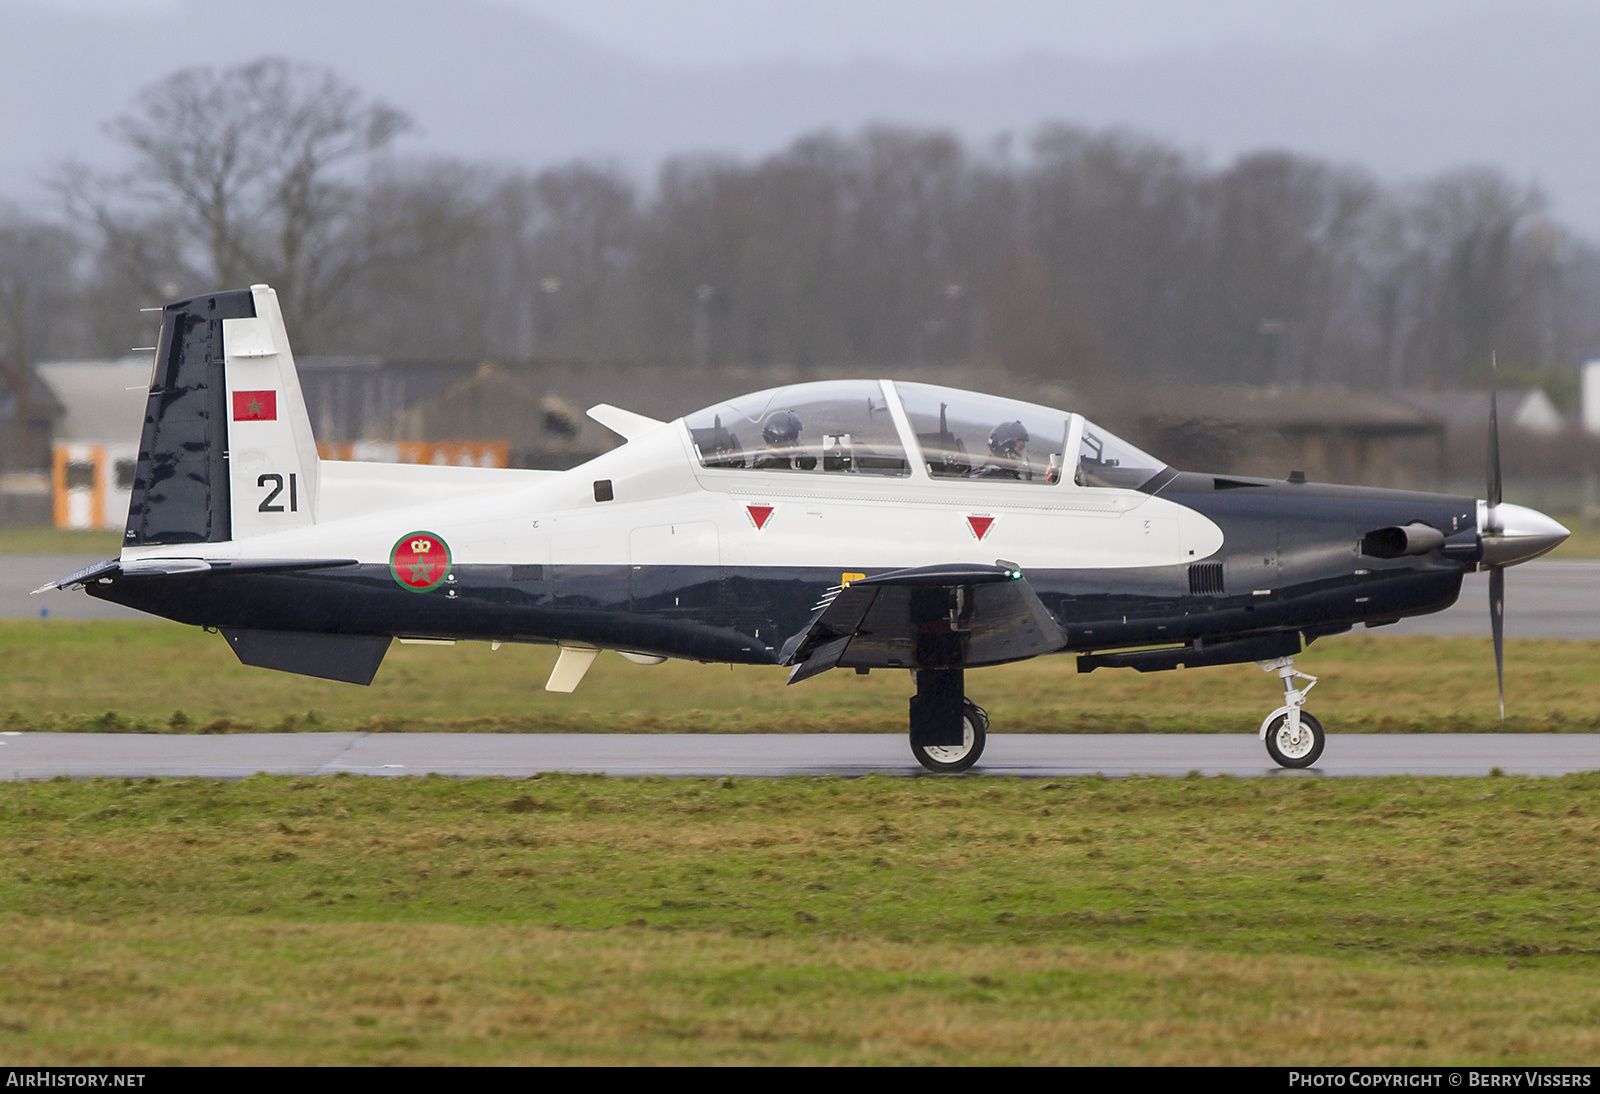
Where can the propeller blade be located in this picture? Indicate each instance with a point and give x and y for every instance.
(1494, 443)
(1497, 574)
(1497, 621)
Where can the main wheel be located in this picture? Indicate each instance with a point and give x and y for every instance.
(1288, 751)
(948, 759)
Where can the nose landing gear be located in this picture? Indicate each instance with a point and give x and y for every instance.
(1294, 738)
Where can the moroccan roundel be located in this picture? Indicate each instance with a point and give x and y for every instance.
(419, 561)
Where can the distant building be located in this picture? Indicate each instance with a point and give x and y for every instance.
(96, 447)
(1591, 397)
(1332, 433)
(436, 453)
(1528, 409)
(29, 411)
(1535, 413)
(536, 428)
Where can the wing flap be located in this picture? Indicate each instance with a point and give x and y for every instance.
(949, 616)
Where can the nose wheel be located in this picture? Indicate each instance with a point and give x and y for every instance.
(1292, 747)
(1294, 738)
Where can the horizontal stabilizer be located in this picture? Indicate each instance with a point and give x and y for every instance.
(162, 567)
(82, 577)
(352, 658)
(624, 423)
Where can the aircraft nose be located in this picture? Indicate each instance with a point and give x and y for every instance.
(1515, 533)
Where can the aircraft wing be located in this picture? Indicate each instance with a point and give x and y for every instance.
(950, 616)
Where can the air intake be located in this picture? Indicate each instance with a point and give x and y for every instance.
(1205, 578)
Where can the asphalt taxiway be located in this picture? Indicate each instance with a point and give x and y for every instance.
(87, 755)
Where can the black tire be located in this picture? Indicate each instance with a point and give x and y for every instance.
(949, 759)
(1287, 754)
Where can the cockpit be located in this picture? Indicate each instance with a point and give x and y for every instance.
(886, 429)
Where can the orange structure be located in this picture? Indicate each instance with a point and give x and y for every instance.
(438, 453)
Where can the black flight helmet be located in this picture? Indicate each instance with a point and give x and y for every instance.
(781, 428)
(1008, 439)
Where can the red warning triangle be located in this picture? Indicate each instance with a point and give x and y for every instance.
(759, 514)
(980, 525)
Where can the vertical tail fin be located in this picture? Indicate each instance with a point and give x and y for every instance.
(227, 451)
(272, 455)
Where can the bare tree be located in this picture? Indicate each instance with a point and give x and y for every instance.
(242, 175)
(36, 285)
(1474, 228)
(1087, 255)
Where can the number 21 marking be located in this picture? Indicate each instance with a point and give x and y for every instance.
(266, 505)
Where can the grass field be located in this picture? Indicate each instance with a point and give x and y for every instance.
(161, 677)
(1583, 543)
(570, 919)
(583, 919)
(44, 540)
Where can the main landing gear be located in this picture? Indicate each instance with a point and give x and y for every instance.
(1294, 738)
(948, 730)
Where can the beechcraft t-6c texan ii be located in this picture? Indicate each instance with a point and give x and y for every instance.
(862, 524)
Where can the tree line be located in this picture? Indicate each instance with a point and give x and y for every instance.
(1076, 255)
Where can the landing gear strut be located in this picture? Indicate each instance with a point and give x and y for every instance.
(1294, 738)
(948, 730)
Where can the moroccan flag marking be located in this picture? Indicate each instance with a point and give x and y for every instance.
(419, 561)
(255, 406)
(759, 514)
(980, 525)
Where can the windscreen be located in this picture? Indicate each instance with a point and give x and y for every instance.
(1107, 460)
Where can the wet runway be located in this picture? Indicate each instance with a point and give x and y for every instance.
(21, 574)
(84, 755)
(1543, 599)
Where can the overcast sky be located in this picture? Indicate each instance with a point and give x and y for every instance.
(696, 33)
(1407, 88)
(702, 33)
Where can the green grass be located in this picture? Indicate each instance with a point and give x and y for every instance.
(583, 919)
(1583, 543)
(155, 676)
(31, 539)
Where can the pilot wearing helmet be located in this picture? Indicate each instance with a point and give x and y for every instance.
(781, 432)
(1006, 456)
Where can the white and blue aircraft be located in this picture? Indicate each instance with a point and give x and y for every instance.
(857, 524)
